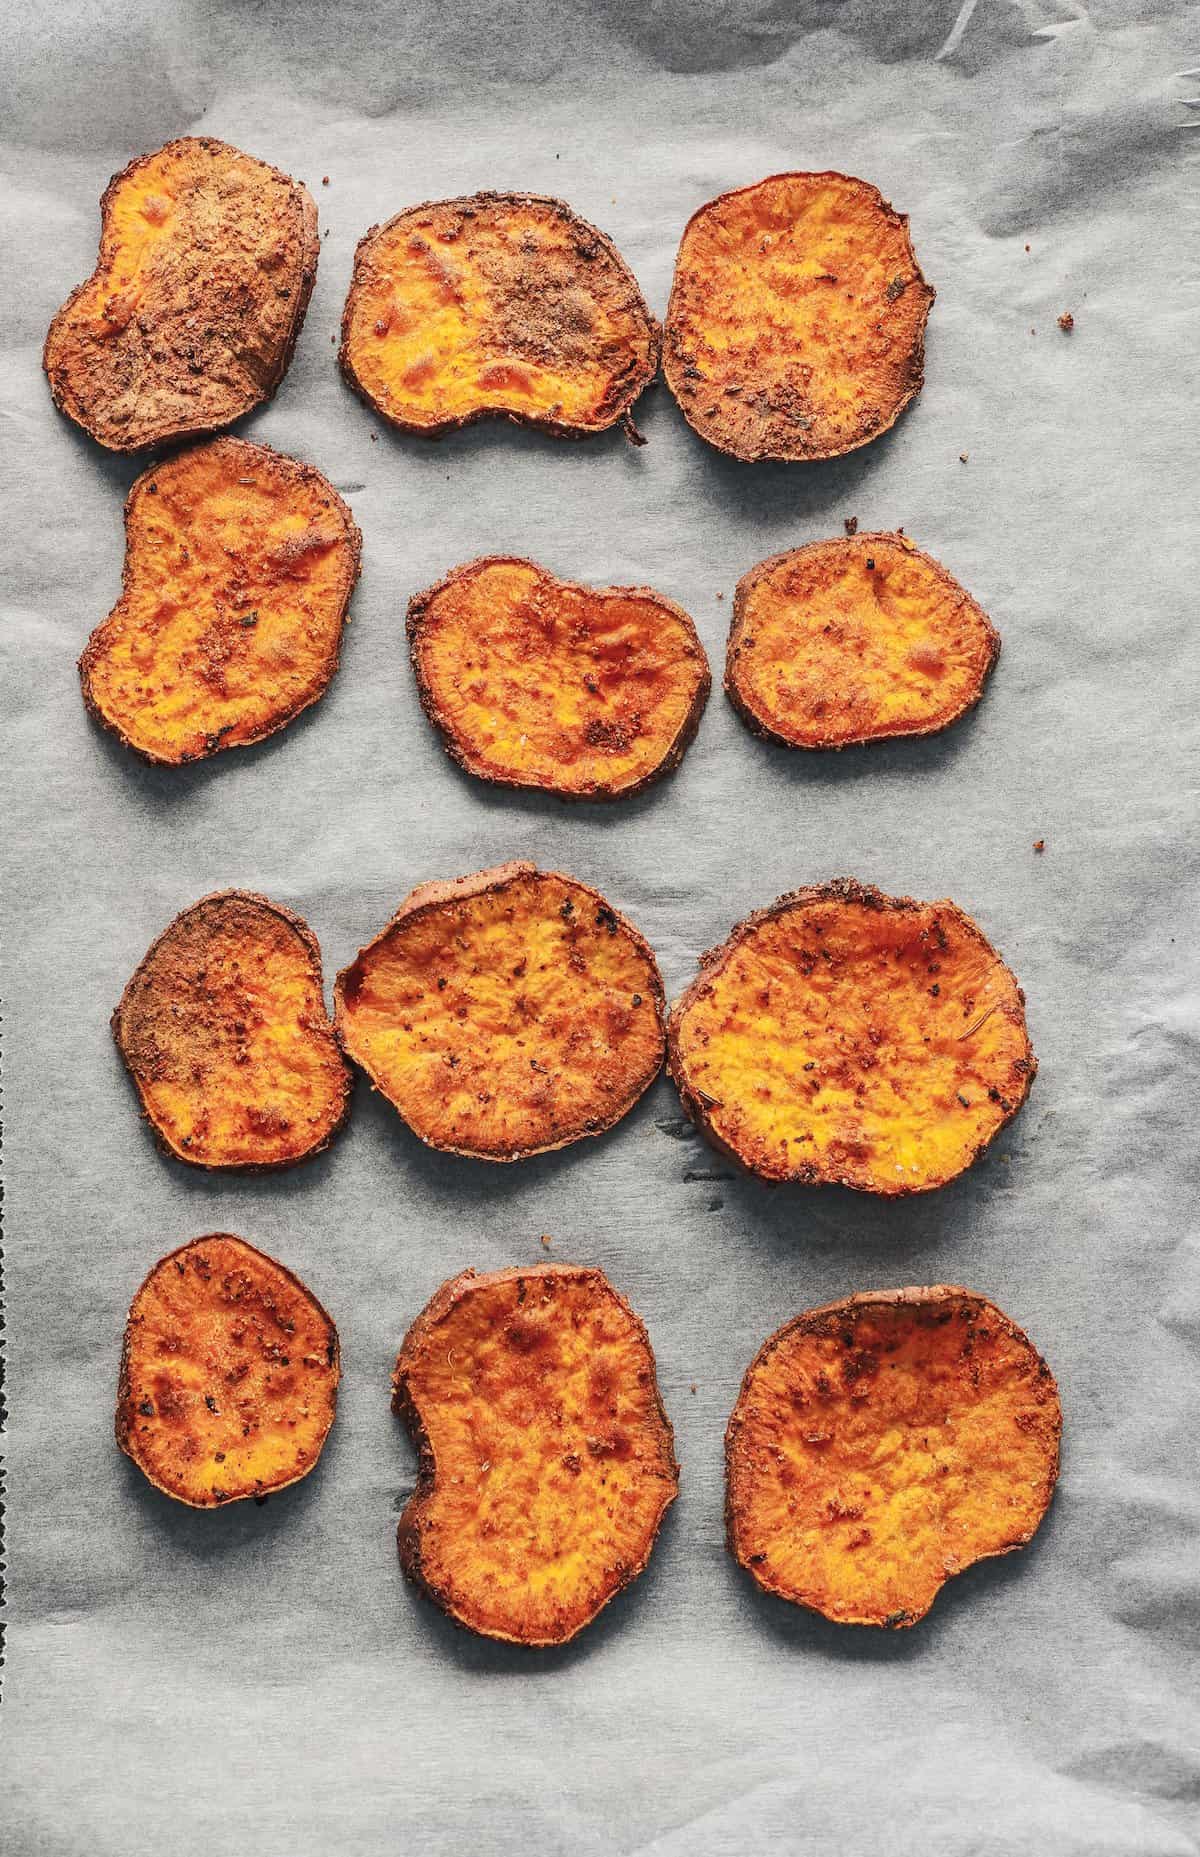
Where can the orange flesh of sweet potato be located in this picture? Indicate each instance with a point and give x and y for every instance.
(239, 565)
(224, 1030)
(854, 639)
(846, 1037)
(497, 303)
(883, 1444)
(229, 1374)
(539, 682)
(505, 1014)
(206, 264)
(796, 327)
(546, 1459)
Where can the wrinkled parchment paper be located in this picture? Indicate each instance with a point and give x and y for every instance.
(261, 1680)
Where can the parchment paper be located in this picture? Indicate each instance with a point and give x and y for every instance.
(262, 1679)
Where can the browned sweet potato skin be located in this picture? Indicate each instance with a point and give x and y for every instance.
(239, 566)
(229, 1374)
(533, 681)
(881, 1445)
(207, 260)
(224, 1030)
(796, 327)
(845, 1037)
(496, 304)
(505, 1014)
(546, 1459)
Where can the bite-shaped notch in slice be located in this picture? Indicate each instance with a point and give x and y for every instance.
(853, 640)
(225, 1033)
(590, 692)
(499, 303)
(546, 1458)
(207, 261)
(844, 1037)
(229, 1374)
(796, 327)
(506, 1013)
(239, 566)
(883, 1444)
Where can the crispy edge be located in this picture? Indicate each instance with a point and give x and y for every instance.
(428, 897)
(816, 1321)
(312, 948)
(916, 360)
(836, 890)
(310, 251)
(269, 458)
(557, 428)
(122, 1428)
(418, 615)
(408, 1531)
(840, 545)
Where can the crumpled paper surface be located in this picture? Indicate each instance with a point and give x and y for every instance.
(262, 1679)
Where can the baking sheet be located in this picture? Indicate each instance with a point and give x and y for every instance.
(261, 1679)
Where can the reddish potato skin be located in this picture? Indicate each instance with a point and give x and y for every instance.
(418, 611)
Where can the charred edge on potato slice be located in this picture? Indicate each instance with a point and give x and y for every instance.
(538, 320)
(805, 367)
(529, 1061)
(267, 623)
(850, 1162)
(532, 1344)
(808, 1487)
(259, 1335)
(216, 1033)
(151, 365)
(560, 665)
(942, 644)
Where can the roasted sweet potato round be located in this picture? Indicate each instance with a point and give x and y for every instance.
(229, 1374)
(224, 1030)
(499, 303)
(850, 1038)
(881, 1445)
(546, 1459)
(852, 640)
(239, 566)
(207, 261)
(796, 327)
(506, 1013)
(589, 692)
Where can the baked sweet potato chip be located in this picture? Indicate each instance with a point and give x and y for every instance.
(796, 327)
(224, 1030)
(239, 566)
(506, 1013)
(546, 1458)
(503, 303)
(844, 1037)
(852, 640)
(591, 692)
(207, 261)
(881, 1445)
(229, 1374)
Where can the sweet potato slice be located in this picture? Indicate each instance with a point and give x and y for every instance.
(207, 261)
(546, 1459)
(224, 1030)
(590, 692)
(498, 303)
(852, 640)
(229, 1374)
(847, 1037)
(239, 566)
(796, 327)
(506, 1013)
(881, 1445)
